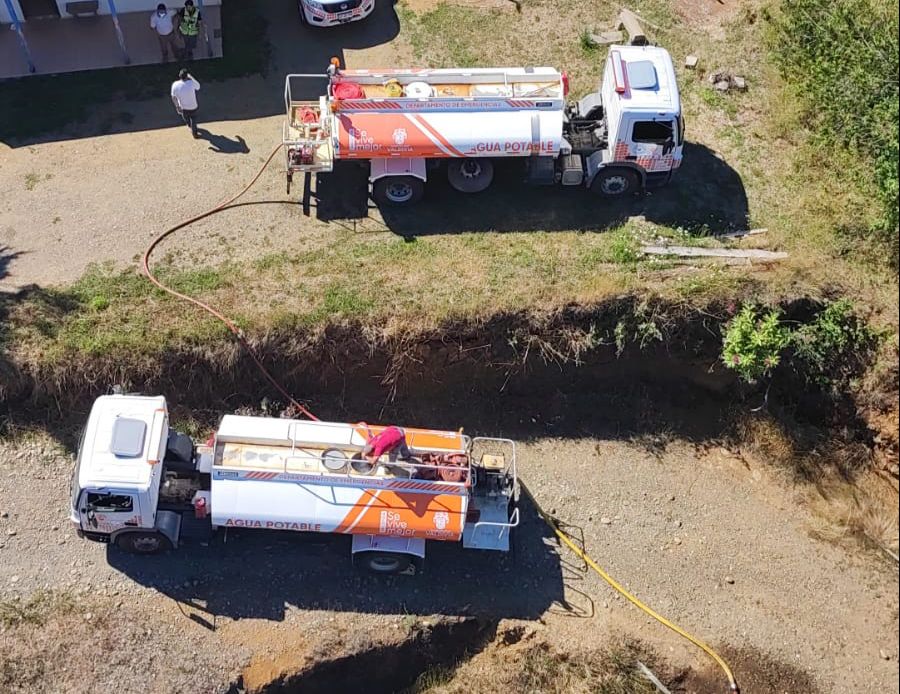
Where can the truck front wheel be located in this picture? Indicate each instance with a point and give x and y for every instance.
(144, 543)
(613, 183)
(386, 563)
(398, 191)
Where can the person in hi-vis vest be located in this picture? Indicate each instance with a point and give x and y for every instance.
(189, 27)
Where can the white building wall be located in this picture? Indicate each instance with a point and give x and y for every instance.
(122, 6)
(148, 6)
(4, 13)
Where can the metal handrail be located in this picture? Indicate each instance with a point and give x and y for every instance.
(512, 523)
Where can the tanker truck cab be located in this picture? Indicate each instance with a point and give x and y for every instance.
(119, 473)
(641, 111)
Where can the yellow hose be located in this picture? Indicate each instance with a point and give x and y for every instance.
(631, 598)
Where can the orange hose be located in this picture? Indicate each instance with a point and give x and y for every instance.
(238, 333)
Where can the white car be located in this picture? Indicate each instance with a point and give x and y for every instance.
(327, 13)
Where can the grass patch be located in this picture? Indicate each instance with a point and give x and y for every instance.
(421, 282)
(841, 60)
(541, 668)
(40, 607)
(76, 94)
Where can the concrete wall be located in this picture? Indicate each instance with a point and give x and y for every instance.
(121, 6)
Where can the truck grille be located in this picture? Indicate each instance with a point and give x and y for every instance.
(341, 5)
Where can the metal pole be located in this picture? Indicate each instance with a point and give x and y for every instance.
(209, 51)
(115, 18)
(17, 25)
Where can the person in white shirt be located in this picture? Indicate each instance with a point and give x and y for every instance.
(184, 96)
(161, 23)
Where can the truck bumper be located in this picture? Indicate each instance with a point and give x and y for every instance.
(93, 537)
(323, 18)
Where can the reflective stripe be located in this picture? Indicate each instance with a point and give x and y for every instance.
(189, 23)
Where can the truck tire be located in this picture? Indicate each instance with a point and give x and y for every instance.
(384, 563)
(398, 191)
(615, 182)
(143, 542)
(303, 21)
(470, 175)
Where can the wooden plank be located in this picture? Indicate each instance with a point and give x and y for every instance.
(630, 22)
(740, 234)
(694, 252)
(648, 674)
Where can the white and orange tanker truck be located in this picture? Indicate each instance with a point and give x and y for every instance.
(137, 483)
(406, 124)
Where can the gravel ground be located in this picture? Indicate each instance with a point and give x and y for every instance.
(722, 550)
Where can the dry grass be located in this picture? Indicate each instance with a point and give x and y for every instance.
(850, 502)
(541, 668)
(36, 610)
(865, 509)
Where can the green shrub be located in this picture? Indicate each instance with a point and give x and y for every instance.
(841, 56)
(827, 350)
(753, 342)
(833, 345)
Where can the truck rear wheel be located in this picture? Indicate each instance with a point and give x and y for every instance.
(386, 563)
(144, 542)
(470, 175)
(398, 191)
(613, 182)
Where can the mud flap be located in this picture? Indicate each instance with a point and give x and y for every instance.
(169, 524)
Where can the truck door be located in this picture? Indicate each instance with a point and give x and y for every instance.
(106, 511)
(653, 144)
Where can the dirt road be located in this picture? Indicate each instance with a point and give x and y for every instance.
(723, 550)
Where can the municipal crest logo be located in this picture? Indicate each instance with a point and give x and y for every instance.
(399, 136)
(441, 520)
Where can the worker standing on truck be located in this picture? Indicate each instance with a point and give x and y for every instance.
(189, 27)
(391, 441)
(161, 23)
(184, 96)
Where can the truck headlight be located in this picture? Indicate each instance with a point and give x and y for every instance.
(313, 5)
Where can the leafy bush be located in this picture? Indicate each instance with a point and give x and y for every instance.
(832, 346)
(753, 342)
(827, 350)
(842, 58)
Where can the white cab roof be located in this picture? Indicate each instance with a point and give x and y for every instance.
(659, 97)
(124, 440)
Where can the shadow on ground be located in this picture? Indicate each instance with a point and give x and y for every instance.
(259, 574)
(706, 195)
(7, 257)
